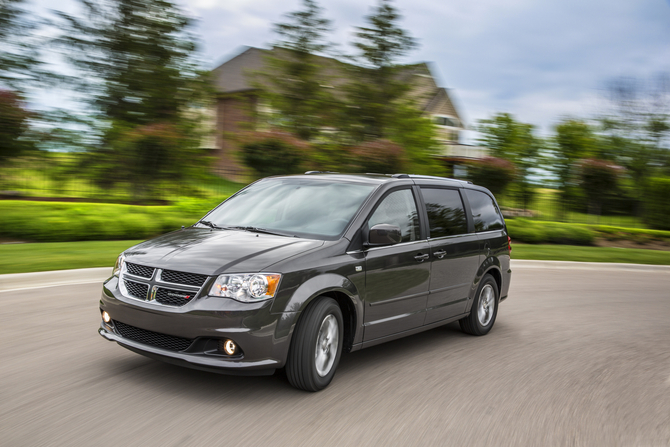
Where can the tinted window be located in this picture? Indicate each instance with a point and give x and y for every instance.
(446, 215)
(399, 209)
(484, 211)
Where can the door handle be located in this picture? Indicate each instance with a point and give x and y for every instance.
(440, 254)
(421, 257)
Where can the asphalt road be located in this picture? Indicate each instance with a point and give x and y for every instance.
(577, 357)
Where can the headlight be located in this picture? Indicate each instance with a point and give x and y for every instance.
(119, 264)
(246, 287)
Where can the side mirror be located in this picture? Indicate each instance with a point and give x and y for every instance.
(384, 234)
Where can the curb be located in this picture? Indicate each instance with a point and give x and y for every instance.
(36, 280)
(600, 266)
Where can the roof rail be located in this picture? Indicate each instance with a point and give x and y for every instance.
(320, 172)
(429, 177)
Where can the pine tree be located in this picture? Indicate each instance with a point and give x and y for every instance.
(375, 88)
(19, 57)
(135, 60)
(295, 86)
(138, 57)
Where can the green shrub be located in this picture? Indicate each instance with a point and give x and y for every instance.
(619, 233)
(492, 173)
(537, 232)
(657, 203)
(379, 156)
(63, 222)
(274, 153)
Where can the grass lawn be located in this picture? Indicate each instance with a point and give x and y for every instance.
(37, 257)
(590, 254)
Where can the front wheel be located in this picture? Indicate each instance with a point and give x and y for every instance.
(316, 346)
(484, 309)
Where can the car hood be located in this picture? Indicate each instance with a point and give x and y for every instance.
(211, 252)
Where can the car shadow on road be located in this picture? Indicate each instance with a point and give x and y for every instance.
(203, 386)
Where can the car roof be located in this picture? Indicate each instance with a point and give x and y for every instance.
(372, 178)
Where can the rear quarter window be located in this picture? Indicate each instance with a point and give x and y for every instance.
(484, 211)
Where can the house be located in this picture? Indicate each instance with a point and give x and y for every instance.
(237, 102)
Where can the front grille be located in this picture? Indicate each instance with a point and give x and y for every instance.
(152, 338)
(136, 289)
(190, 279)
(140, 270)
(173, 297)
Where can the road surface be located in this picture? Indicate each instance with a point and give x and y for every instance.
(577, 357)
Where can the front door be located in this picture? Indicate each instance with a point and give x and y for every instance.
(397, 276)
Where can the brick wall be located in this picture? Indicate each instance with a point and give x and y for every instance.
(234, 115)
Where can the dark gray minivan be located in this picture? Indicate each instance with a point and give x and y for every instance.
(291, 271)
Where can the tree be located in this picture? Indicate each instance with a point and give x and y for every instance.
(598, 180)
(513, 141)
(294, 85)
(635, 129)
(13, 124)
(416, 134)
(375, 89)
(136, 58)
(152, 154)
(657, 207)
(19, 57)
(574, 140)
(493, 173)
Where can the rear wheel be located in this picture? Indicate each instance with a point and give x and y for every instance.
(484, 309)
(316, 346)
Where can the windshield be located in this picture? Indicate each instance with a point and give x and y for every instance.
(301, 207)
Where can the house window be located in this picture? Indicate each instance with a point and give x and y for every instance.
(446, 121)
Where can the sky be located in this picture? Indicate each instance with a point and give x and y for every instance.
(538, 60)
(541, 61)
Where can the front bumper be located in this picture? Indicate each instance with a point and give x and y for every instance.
(262, 337)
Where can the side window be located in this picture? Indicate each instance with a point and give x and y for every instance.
(446, 215)
(484, 211)
(398, 208)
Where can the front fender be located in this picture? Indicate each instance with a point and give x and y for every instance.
(329, 283)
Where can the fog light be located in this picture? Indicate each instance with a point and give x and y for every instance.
(105, 317)
(229, 347)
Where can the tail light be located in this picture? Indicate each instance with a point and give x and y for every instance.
(509, 243)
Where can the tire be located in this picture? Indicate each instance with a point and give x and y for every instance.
(316, 346)
(484, 308)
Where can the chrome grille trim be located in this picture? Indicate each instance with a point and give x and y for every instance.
(155, 282)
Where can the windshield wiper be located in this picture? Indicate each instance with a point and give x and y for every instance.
(210, 224)
(261, 230)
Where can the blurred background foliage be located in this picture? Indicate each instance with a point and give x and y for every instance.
(134, 133)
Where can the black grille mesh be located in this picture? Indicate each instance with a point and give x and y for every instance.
(191, 279)
(152, 338)
(173, 297)
(139, 270)
(136, 289)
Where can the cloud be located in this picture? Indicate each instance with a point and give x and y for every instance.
(537, 60)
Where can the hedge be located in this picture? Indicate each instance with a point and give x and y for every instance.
(66, 221)
(539, 232)
(657, 203)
